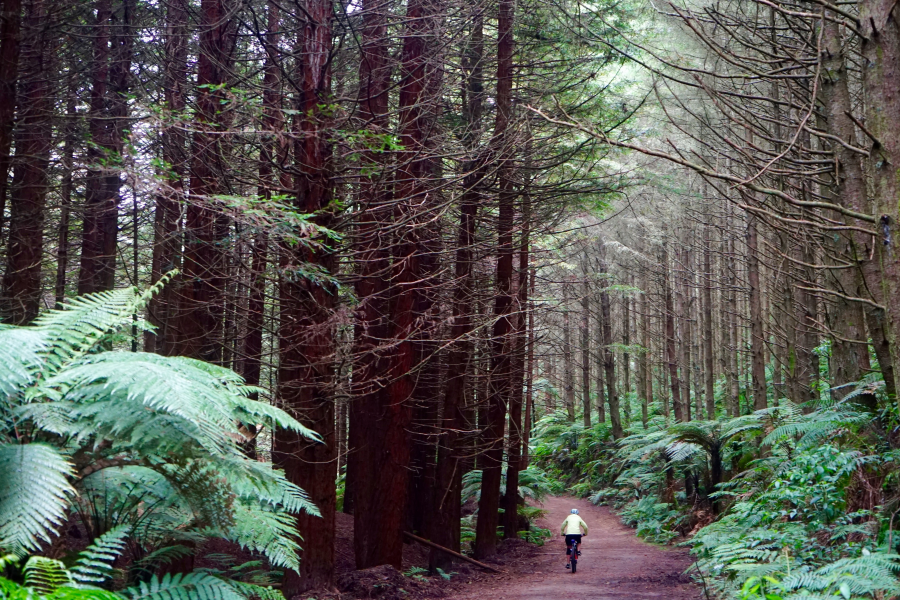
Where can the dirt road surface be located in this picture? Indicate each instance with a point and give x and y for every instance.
(614, 565)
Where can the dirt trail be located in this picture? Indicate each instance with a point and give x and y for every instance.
(614, 565)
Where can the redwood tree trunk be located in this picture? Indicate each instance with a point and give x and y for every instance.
(10, 28)
(371, 329)
(671, 357)
(757, 335)
(586, 351)
(20, 299)
(501, 346)
(514, 458)
(201, 308)
(568, 367)
(609, 360)
(450, 453)
(880, 50)
(166, 236)
(709, 377)
(108, 112)
(306, 332)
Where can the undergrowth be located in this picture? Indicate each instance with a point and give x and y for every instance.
(788, 503)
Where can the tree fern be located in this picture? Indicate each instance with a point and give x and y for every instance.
(145, 449)
(34, 495)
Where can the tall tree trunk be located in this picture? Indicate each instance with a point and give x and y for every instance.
(684, 313)
(671, 357)
(501, 346)
(586, 349)
(707, 310)
(20, 298)
(626, 356)
(10, 43)
(167, 216)
(757, 335)
(599, 360)
(62, 237)
(609, 364)
(448, 478)
(306, 331)
(107, 121)
(645, 378)
(415, 376)
(273, 155)
(529, 370)
(880, 49)
(372, 327)
(514, 458)
(202, 287)
(807, 318)
(568, 367)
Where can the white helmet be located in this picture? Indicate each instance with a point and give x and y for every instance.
(574, 511)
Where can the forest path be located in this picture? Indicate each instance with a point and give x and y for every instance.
(614, 564)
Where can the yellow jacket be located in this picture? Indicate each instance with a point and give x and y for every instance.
(573, 525)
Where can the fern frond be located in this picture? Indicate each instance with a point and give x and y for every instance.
(34, 495)
(84, 321)
(20, 358)
(270, 533)
(190, 402)
(70, 593)
(190, 586)
(162, 556)
(94, 564)
(258, 592)
(679, 451)
(45, 575)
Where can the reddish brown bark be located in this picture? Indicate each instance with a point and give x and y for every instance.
(609, 360)
(450, 462)
(373, 419)
(20, 299)
(201, 308)
(514, 464)
(306, 331)
(671, 357)
(757, 335)
(107, 120)
(586, 348)
(710, 375)
(62, 234)
(166, 235)
(10, 25)
(501, 344)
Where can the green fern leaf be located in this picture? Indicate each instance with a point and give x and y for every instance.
(94, 565)
(34, 495)
(190, 586)
(20, 359)
(44, 575)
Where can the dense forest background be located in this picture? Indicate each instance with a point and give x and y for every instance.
(401, 258)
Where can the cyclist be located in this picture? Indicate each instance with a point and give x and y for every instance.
(571, 528)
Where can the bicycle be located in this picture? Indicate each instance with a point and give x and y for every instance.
(575, 553)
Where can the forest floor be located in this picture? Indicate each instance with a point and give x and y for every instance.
(614, 565)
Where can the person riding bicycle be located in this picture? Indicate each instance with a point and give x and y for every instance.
(571, 528)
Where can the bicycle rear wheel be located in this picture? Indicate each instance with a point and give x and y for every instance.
(574, 564)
